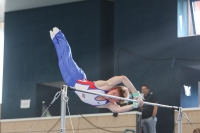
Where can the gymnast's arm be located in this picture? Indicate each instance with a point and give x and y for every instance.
(116, 108)
(107, 85)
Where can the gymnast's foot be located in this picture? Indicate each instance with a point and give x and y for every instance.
(54, 32)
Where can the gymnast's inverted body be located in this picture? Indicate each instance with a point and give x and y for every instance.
(75, 77)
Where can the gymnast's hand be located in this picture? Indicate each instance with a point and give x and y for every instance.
(137, 96)
(140, 102)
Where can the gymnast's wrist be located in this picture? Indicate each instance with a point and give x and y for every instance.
(135, 105)
(136, 94)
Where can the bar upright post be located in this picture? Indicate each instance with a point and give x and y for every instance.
(63, 108)
(180, 120)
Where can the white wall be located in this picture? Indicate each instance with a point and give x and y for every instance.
(1, 57)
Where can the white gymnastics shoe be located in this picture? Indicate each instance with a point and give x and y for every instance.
(53, 32)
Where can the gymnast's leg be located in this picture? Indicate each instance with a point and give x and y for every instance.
(69, 69)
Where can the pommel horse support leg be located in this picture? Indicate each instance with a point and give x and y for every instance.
(63, 108)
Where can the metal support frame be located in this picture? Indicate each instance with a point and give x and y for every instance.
(63, 106)
(179, 120)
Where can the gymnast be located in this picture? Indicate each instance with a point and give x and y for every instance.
(75, 77)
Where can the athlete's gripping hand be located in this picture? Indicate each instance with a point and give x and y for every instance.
(137, 96)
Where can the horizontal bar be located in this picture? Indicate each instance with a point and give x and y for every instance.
(121, 98)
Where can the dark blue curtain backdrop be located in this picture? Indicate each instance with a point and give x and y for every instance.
(150, 52)
(30, 57)
(165, 77)
(143, 32)
(191, 77)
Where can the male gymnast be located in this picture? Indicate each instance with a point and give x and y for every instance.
(75, 77)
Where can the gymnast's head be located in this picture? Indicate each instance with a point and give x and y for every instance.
(119, 91)
(197, 129)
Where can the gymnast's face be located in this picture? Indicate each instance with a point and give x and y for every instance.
(113, 92)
